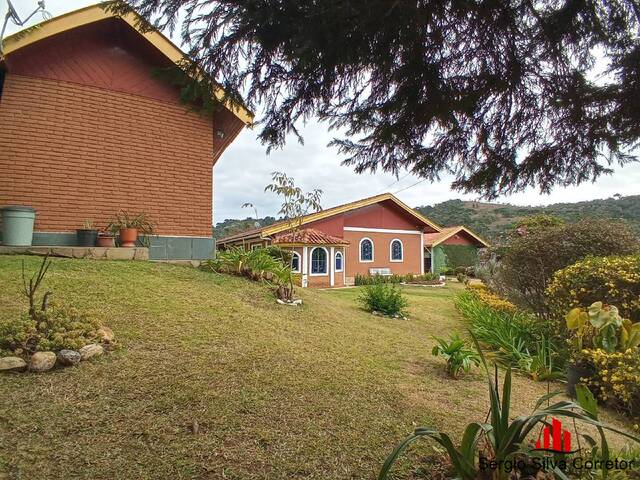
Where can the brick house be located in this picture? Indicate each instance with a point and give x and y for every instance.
(88, 129)
(379, 234)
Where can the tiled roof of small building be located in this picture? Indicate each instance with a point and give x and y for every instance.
(308, 236)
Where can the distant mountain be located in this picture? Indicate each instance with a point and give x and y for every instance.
(231, 226)
(491, 220)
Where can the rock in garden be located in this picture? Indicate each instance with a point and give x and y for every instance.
(106, 335)
(68, 358)
(42, 361)
(12, 364)
(92, 350)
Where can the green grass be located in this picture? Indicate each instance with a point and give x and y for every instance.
(322, 391)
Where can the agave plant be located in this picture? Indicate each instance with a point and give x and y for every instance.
(503, 438)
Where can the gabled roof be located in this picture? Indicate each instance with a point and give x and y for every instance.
(95, 13)
(307, 236)
(285, 225)
(347, 207)
(433, 239)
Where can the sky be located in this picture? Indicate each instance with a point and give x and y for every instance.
(245, 168)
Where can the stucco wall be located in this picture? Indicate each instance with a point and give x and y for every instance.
(381, 253)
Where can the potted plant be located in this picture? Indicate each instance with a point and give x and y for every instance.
(129, 226)
(106, 238)
(87, 235)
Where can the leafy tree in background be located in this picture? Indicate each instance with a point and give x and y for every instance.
(529, 261)
(499, 93)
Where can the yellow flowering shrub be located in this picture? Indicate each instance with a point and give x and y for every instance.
(612, 280)
(491, 299)
(617, 377)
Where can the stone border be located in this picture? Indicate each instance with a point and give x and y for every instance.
(94, 253)
(45, 361)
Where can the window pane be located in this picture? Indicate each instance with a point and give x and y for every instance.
(338, 261)
(366, 250)
(319, 261)
(396, 250)
(295, 262)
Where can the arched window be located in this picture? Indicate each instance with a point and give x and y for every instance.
(319, 261)
(338, 261)
(295, 262)
(395, 250)
(366, 250)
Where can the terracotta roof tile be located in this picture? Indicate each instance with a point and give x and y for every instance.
(308, 236)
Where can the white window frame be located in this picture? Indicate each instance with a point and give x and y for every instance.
(391, 251)
(373, 250)
(296, 254)
(256, 246)
(311, 263)
(341, 261)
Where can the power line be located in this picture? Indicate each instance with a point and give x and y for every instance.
(398, 180)
(410, 186)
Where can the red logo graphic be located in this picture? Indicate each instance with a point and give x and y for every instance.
(554, 438)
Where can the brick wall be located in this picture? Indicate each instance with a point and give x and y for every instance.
(74, 152)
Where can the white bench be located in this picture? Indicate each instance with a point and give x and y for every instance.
(385, 272)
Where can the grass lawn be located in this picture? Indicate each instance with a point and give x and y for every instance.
(322, 391)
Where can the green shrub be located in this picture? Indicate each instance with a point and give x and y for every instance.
(260, 264)
(55, 329)
(516, 338)
(530, 261)
(612, 280)
(616, 380)
(459, 357)
(385, 298)
(409, 278)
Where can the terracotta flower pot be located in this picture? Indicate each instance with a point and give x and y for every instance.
(106, 241)
(128, 237)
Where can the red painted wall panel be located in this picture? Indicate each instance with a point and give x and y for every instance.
(460, 239)
(385, 215)
(380, 215)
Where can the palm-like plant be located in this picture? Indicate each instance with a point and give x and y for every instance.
(458, 356)
(502, 438)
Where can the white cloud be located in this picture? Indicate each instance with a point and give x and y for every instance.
(244, 169)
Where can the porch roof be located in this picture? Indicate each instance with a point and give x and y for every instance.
(308, 236)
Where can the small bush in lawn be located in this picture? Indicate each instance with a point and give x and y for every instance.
(457, 353)
(385, 298)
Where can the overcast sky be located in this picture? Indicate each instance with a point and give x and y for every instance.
(244, 169)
